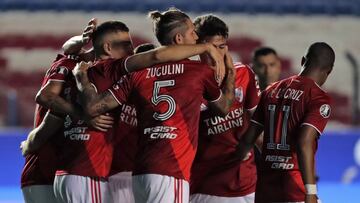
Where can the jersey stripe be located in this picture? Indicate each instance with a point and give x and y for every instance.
(99, 189)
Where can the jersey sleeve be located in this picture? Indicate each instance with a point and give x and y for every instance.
(58, 74)
(259, 115)
(122, 89)
(212, 91)
(252, 91)
(318, 113)
(61, 68)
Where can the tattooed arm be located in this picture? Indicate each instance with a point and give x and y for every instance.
(94, 104)
(223, 105)
(50, 98)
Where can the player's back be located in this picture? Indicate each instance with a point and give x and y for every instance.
(40, 166)
(284, 107)
(217, 170)
(168, 98)
(88, 151)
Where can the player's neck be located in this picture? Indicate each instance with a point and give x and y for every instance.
(313, 75)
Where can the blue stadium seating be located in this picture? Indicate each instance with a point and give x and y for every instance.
(305, 7)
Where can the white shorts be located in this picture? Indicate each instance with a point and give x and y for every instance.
(38, 194)
(202, 198)
(80, 189)
(153, 188)
(120, 187)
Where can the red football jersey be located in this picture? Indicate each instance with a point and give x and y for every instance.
(284, 107)
(125, 145)
(168, 97)
(216, 170)
(40, 166)
(87, 151)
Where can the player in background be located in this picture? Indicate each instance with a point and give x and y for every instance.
(217, 174)
(125, 148)
(267, 66)
(168, 97)
(40, 163)
(88, 153)
(293, 114)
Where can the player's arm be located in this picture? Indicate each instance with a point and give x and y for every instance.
(223, 104)
(75, 44)
(39, 135)
(49, 97)
(305, 150)
(174, 53)
(94, 104)
(259, 141)
(248, 140)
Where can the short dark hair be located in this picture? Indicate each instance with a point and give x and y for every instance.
(166, 23)
(102, 30)
(144, 47)
(263, 51)
(321, 55)
(209, 26)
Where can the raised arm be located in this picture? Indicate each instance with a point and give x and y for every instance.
(39, 135)
(174, 53)
(75, 44)
(223, 105)
(94, 104)
(305, 152)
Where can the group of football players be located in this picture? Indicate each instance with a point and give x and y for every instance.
(150, 125)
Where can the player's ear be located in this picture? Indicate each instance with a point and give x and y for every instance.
(178, 39)
(107, 48)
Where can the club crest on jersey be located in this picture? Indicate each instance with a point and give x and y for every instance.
(325, 110)
(203, 107)
(239, 95)
(62, 70)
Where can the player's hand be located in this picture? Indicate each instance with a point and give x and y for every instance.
(102, 122)
(89, 30)
(218, 63)
(311, 199)
(81, 68)
(24, 147)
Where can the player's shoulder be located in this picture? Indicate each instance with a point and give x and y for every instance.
(105, 64)
(313, 91)
(196, 63)
(312, 86)
(243, 69)
(276, 85)
(66, 61)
